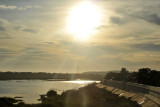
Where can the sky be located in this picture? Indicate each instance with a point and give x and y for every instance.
(33, 36)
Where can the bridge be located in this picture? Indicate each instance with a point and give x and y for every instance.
(144, 95)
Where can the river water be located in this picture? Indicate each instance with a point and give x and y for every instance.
(31, 89)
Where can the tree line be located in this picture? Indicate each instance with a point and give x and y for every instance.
(143, 76)
(42, 75)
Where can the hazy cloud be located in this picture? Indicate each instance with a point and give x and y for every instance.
(48, 43)
(29, 7)
(18, 27)
(148, 47)
(4, 50)
(153, 18)
(5, 7)
(116, 20)
(25, 29)
(3, 23)
(29, 30)
(5, 36)
(2, 28)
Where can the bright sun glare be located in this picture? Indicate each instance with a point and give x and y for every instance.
(83, 20)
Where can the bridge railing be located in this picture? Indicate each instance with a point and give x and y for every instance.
(134, 87)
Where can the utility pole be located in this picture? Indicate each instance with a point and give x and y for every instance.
(78, 68)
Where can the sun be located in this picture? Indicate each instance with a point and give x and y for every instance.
(83, 20)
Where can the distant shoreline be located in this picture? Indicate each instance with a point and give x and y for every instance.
(19, 80)
(48, 76)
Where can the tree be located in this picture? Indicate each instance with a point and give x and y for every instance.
(153, 77)
(51, 93)
(143, 75)
(124, 71)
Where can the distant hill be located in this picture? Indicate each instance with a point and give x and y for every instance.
(101, 72)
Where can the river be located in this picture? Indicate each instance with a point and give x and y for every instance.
(31, 89)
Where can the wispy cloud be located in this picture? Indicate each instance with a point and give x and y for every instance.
(5, 7)
(153, 18)
(2, 28)
(5, 36)
(3, 23)
(25, 29)
(29, 7)
(30, 30)
(116, 20)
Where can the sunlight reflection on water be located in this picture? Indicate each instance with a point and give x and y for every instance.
(80, 82)
(31, 89)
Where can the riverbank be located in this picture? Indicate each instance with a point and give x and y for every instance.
(88, 96)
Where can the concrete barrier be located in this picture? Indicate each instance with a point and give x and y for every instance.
(144, 95)
(134, 87)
